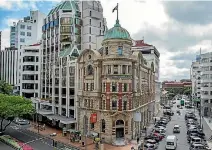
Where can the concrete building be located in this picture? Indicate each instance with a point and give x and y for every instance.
(206, 84)
(116, 88)
(28, 30)
(30, 71)
(13, 35)
(94, 24)
(196, 80)
(151, 54)
(9, 65)
(67, 30)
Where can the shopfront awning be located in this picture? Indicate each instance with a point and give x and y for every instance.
(45, 112)
(62, 119)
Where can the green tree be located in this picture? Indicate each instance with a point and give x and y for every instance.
(13, 106)
(5, 88)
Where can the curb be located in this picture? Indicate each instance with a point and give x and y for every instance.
(65, 144)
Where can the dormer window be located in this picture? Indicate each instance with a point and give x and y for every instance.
(106, 50)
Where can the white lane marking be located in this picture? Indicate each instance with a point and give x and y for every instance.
(34, 137)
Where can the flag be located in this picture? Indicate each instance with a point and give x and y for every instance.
(116, 8)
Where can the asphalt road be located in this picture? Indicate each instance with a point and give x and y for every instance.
(5, 147)
(36, 141)
(182, 136)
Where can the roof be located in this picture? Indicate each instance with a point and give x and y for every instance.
(176, 125)
(140, 43)
(117, 32)
(171, 137)
(65, 5)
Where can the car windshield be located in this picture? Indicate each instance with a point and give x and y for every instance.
(176, 127)
(170, 143)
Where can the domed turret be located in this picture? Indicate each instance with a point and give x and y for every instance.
(117, 32)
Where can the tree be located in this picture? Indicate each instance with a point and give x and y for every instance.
(5, 88)
(13, 106)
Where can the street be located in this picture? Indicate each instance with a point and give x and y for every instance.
(20, 133)
(5, 147)
(182, 136)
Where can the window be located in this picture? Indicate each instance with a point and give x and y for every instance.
(124, 69)
(100, 24)
(28, 33)
(90, 13)
(34, 21)
(115, 69)
(125, 87)
(90, 70)
(106, 50)
(22, 26)
(89, 38)
(125, 105)
(129, 69)
(109, 69)
(100, 32)
(90, 21)
(85, 102)
(103, 125)
(114, 87)
(89, 46)
(114, 104)
(92, 86)
(37, 59)
(92, 126)
(87, 86)
(90, 30)
(22, 33)
(29, 27)
(104, 87)
(22, 40)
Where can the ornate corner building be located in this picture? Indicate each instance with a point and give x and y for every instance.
(114, 84)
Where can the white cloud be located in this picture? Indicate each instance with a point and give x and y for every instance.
(16, 5)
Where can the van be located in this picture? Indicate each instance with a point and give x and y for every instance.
(171, 142)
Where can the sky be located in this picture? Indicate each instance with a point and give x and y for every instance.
(177, 29)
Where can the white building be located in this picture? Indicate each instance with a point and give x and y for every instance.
(64, 36)
(94, 24)
(30, 71)
(27, 31)
(206, 84)
(151, 54)
(8, 65)
(196, 79)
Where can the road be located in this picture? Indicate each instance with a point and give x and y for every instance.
(20, 133)
(182, 136)
(5, 147)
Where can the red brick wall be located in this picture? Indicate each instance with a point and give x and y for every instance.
(107, 96)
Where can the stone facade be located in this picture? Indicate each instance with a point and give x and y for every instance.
(114, 83)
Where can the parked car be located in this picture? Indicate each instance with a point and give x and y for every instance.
(176, 129)
(21, 121)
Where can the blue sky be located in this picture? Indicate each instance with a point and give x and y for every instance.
(172, 27)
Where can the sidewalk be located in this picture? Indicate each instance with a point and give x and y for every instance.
(90, 145)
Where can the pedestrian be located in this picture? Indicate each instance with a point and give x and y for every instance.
(155, 120)
(138, 140)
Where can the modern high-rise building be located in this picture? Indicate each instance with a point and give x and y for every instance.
(9, 65)
(151, 54)
(30, 71)
(67, 30)
(28, 30)
(116, 89)
(201, 76)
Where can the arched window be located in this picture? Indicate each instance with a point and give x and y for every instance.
(103, 125)
(119, 122)
(90, 70)
(90, 13)
(114, 103)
